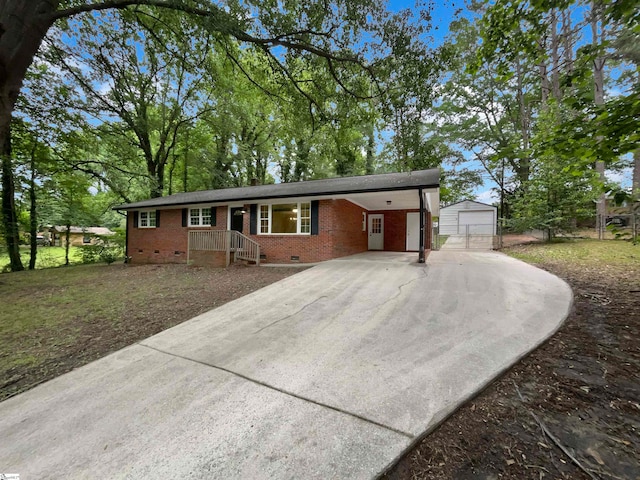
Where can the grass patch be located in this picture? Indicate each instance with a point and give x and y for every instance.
(585, 252)
(441, 240)
(54, 320)
(47, 257)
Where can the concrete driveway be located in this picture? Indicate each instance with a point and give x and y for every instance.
(331, 373)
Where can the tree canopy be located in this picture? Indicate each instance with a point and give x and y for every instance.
(163, 85)
(131, 99)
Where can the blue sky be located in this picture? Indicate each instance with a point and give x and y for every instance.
(442, 13)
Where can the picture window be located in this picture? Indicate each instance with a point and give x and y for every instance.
(285, 218)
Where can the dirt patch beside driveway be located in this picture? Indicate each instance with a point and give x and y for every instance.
(55, 320)
(583, 386)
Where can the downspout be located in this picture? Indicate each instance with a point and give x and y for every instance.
(422, 212)
(126, 239)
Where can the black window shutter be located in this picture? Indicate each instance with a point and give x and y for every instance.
(185, 215)
(213, 216)
(157, 218)
(135, 219)
(253, 219)
(314, 217)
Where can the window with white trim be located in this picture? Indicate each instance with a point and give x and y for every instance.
(285, 218)
(264, 218)
(147, 219)
(305, 217)
(200, 217)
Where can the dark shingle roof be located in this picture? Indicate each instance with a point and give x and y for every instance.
(328, 186)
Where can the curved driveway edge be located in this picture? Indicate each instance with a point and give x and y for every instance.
(331, 373)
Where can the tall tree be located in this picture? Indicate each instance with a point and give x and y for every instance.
(588, 129)
(151, 92)
(587, 46)
(300, 27)
(484, 114)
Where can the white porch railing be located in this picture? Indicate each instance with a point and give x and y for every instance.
(229, 241)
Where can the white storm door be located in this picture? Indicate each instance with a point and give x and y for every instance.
(413, 232)
(376, 232)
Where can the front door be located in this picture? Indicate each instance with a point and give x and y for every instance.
(237, 219)
(413, 232)
(376, 232)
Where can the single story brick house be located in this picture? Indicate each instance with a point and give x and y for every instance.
(304, 222)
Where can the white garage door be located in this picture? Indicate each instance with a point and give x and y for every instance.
(478, 221)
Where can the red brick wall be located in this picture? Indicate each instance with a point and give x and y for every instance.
(209, 259)
(340, 234)
(346, 229)
(395, 229)
(165, 244)
(168, 242)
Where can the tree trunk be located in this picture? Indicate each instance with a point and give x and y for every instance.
(33, 218)
(23, 26)
(567, 40)
(301, 168)
(9, 214)
(524, 167)
(555, 57)
(172, 167)
(371, 145)
(156, 176)
(185, 171)
(636, 173)
(544, 78)
(598, 87)
(67, 238)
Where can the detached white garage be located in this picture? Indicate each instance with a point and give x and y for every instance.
(467, 218)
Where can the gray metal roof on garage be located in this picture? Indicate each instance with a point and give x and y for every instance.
(386, 182)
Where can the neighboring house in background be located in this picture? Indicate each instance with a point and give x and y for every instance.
(303, 222)
(78, 236)
(468, 217)
(618, 215)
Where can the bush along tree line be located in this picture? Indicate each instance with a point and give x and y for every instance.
(101, 249)
(105, 249)
(108, 101)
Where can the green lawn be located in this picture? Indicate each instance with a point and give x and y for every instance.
(47, 257)
(585, 252)
(56, 319)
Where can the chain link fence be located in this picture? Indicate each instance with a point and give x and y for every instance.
(467, 237)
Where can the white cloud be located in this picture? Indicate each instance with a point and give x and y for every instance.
(622, 177)
(488, 196)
